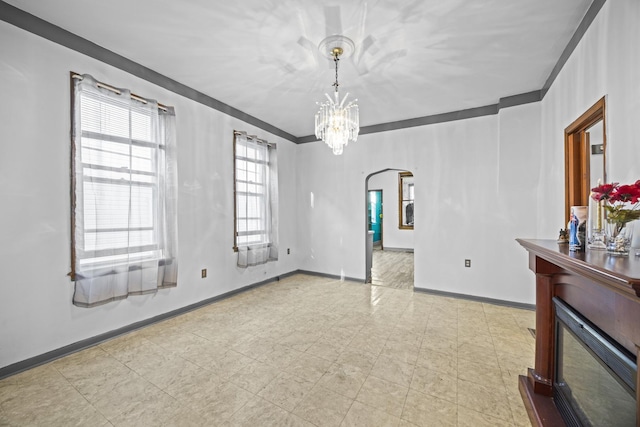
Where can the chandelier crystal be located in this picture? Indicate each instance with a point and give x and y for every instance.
(337, 124)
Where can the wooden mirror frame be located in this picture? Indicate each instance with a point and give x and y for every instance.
(401, 199)
(577, 154)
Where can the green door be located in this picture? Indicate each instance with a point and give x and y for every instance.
(375, 214)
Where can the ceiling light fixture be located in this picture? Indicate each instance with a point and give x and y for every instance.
(336, 123)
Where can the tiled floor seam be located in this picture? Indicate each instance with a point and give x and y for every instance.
(81, 394)
(404, 402)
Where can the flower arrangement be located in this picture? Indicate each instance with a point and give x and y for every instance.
(620, 203)
(615, 198)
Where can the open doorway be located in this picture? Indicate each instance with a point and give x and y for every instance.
(390, 260)
(375, 217)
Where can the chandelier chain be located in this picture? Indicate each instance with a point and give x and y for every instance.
(336, 59)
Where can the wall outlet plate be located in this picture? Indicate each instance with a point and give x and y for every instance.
(204, 273)
(467, 263)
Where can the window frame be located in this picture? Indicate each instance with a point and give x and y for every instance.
(264, 195)
(79, 254)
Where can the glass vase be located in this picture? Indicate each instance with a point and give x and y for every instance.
(619, 236)
(596, 235)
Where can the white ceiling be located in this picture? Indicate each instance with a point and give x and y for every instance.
(413, 58)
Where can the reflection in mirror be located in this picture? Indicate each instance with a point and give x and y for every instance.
(595, 142)
(405, 200)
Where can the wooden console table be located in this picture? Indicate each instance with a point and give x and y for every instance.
(603, 288)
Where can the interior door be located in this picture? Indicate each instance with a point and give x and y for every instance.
(375, 214)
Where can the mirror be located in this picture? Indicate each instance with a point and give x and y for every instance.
(595, 144)
(405, 200)
(585, 150)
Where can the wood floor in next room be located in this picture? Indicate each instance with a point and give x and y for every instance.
(304, 351)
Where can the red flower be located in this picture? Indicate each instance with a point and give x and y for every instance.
(626, 193)
(616, 198)
(603, 192)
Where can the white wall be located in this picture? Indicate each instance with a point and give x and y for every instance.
(475, 183)
(392, 235)
(36, 313)
(605, 63)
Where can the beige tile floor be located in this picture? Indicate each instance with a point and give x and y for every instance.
(393, 269)
(305, 351)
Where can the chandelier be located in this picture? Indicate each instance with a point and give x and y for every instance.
(336, 123)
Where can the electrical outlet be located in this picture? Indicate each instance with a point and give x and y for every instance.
(288, 251)
(204, 273)
(467, 263)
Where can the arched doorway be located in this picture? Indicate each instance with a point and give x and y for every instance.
(389, 223)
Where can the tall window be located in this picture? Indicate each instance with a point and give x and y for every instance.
(124, 194)
(256, 204)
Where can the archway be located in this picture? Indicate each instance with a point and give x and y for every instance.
(390, 264)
